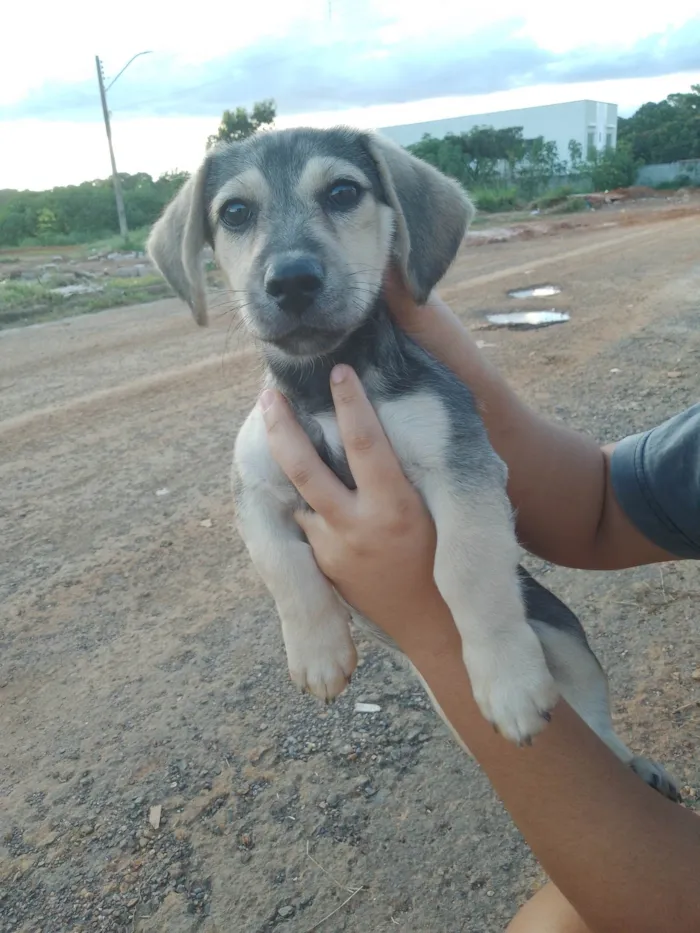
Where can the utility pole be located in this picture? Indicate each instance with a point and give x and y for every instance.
(119, 197)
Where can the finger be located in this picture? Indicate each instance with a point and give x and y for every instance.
(371, 458)
(297, 457)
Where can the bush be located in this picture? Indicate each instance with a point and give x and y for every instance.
(615, 168)
(493, 200)
(553, 197)
(572, 206)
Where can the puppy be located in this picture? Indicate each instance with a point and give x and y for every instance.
(304, 224)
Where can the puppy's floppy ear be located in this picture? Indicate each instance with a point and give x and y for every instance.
(176, 242)
(432, 214)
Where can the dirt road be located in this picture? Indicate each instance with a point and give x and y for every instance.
(140, 661)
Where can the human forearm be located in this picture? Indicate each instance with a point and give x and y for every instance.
(546, 463)
(625, 857)
(558, 479)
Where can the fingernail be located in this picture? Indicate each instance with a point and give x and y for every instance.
(338, 373)
(266, 400)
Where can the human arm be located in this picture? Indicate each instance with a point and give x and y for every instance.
(559, 481)
(626, 858)
(622, 855)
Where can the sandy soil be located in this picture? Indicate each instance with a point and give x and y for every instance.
(140, 659)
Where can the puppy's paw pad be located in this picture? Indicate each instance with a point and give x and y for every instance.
(657, 777)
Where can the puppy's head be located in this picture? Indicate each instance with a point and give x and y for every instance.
(303, 224)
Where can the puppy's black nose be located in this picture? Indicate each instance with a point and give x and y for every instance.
(294, 283)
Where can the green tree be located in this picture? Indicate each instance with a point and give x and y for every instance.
(481, 157)
(539, 166)
(46, 221)
(79, 213)
(667, 131)
(578, 166)
(485, 158)
(238, 124)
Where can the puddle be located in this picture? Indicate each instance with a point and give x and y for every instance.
(526, 320)
(535, 291)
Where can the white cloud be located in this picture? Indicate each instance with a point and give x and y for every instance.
(377, 61)
(74, 152)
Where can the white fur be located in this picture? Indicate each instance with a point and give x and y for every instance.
(474, 569)
(315, 623)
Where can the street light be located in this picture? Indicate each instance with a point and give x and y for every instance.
(119, 197)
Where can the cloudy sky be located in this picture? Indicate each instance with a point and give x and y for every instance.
(370, 63)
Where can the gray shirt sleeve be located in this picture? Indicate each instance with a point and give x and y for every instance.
(656, 479)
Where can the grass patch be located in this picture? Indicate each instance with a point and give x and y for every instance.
(134, 243)
(32, 302)
(79, 244)
(52, 241)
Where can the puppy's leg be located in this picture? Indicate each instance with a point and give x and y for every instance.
(463, 484)
(584, 686)
(315, 624)
(475, 571)
(580, 677)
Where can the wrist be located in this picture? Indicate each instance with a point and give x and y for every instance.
(429, 637)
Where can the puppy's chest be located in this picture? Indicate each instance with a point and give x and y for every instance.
(417, 427)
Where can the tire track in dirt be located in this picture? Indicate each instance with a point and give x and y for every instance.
(102, 399)
(590, 248)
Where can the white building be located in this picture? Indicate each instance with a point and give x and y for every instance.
(591, 123)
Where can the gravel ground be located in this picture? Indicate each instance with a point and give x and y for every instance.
(141, 666)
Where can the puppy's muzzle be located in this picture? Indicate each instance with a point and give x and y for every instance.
(294, 283)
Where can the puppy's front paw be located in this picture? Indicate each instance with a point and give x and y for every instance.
(514, 688)
(324, 666)
(657, 777)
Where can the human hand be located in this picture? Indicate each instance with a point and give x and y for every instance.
(435, 327)
(376, 543)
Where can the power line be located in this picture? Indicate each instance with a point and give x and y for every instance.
(120, 73)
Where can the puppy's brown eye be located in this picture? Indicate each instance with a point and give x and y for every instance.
(344, 194)
(235, 213)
